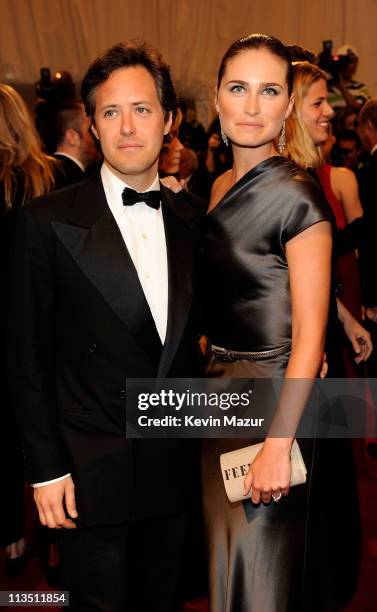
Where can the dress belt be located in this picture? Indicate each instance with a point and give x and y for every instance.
(222, 354)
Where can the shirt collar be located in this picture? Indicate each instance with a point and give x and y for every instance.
(74, 159)
(114, 186)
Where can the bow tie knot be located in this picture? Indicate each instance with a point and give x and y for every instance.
(131, 197)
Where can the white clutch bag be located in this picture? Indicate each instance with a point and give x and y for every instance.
(235, 466)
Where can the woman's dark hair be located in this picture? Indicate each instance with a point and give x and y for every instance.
(255, 42)
(300, 54)
(125, 55)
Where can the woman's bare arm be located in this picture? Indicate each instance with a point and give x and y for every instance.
(309, 264)
(344, 185)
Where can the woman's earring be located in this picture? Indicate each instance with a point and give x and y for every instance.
(282, 139)
(224, 138)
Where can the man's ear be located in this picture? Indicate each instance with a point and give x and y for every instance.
(168, 124)
(290, 106)
(94, 131)
(72, 137)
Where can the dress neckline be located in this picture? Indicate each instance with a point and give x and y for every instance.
(260, 168)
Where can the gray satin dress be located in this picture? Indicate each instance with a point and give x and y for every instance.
(257, 555)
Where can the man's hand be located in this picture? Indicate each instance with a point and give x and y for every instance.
(53, 501)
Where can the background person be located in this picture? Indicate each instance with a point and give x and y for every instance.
(347, 150)
(308, 129)
(72, 143)
(170, 154)
(25, 172)
(367, 177)
(346, 92)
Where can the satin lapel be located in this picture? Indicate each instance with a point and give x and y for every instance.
(180, 252)
(100, 252)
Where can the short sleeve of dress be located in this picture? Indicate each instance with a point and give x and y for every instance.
(305, 205)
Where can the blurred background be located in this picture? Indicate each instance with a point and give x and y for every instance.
(192, 35)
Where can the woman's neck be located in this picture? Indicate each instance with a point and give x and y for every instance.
(246, 158)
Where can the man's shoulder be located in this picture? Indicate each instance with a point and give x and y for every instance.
(67, 171)
(62, 200)
(192, 201)
(369, 167)
(187, 206)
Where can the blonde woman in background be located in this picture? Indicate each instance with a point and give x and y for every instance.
(25, 172)
(307, 131)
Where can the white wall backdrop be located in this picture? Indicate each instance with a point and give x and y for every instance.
(191, 34)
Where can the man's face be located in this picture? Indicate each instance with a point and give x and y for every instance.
(130, 125)
(170, 155)
(350, 153)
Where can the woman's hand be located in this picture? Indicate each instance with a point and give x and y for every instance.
(359, 337)
(324, 367)
(173, 184)
(269, 474)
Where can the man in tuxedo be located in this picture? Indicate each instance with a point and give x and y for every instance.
(73, 146)
(102, 290)
(367, 178)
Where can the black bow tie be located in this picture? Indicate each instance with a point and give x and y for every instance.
(131, 197)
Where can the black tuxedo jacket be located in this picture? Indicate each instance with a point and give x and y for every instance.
(79, 325)
(367, 179)
(67, 172)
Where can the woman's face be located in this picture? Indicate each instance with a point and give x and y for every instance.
(252, 99)
(170, 156)
(316, 112)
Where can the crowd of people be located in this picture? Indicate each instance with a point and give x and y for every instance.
(260, 237)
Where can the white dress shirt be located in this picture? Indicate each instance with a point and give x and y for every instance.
(142, 229)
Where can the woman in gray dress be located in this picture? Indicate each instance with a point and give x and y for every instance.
(266, 265)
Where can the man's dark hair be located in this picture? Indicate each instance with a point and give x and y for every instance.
(125, 55)
(300, 54)
(256, 42)
(369, 112)
(60, 117)
(69, 115)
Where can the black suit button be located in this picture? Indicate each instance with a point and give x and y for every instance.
(122, 394)
(93, 348)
